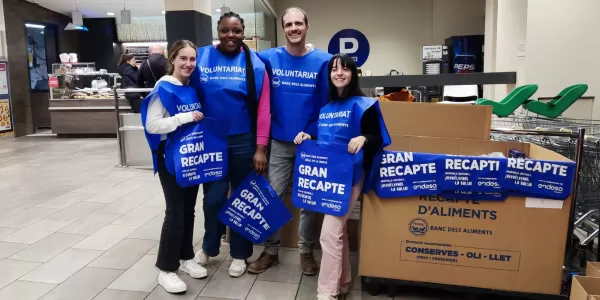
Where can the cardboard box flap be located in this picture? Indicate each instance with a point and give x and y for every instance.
(583, 287)
(538, 151)
(593, 269)
(439, 145)
(436, 120)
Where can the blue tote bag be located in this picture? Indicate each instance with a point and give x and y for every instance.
(323, 177)
(254, 210)
(200, 152)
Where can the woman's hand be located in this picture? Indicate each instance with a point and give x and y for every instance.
(260, 160)
(198, 116)
(356, 144)
(301, 137)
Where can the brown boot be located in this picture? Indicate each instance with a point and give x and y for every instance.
(264, 262)
(309, 264)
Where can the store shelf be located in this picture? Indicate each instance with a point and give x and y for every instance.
(439, 80)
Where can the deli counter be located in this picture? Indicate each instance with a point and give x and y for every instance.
(81, 100)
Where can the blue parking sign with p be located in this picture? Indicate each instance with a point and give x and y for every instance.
(351, 42)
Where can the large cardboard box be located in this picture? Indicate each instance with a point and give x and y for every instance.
(584, 288)
(592, 269)
(485, 244)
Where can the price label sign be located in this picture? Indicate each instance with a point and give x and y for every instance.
(52, 82)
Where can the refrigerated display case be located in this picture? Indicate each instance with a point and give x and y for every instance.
(82, 101)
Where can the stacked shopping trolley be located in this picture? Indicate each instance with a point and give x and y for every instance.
(586, 224)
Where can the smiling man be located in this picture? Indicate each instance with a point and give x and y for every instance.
(298, 91)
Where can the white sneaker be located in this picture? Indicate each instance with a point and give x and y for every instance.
(237, 268)
(194, 269)
(326, 297)
(171, 282)
(201, 258)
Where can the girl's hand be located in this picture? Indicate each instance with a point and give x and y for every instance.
(198, 116)
(356, 144)
(301, 137)
(260, 160)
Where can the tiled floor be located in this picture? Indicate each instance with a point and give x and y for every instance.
(73, 226)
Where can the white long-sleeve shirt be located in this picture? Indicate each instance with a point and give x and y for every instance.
(158, 119)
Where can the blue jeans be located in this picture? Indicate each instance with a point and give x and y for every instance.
(241, 152)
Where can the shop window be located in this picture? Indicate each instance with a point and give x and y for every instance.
(42, 52)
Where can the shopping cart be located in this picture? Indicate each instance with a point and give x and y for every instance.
(592, 127)
(587, 200)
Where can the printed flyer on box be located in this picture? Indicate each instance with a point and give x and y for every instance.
(323, 175)
(540, 178)
(406, 174)
(470, 173)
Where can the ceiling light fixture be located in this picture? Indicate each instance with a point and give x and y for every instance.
(163, 12)
(110, 13)
(125, 14)
(76, 20)
(29, 25)
(224, 9)
(143, 44)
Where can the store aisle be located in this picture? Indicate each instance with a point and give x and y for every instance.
(73, 226)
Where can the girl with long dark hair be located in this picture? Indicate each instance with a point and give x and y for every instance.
(233, 85)
(362, 129)
(171, 104)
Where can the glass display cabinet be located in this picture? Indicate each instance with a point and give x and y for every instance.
(82, 101)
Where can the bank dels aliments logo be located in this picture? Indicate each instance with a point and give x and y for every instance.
(276, 82)
(303, 155)
(351, 42)
(418, 227)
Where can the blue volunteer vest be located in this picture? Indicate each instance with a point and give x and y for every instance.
(339, 122)
(220, 81)
(176, 99)
(299, 88)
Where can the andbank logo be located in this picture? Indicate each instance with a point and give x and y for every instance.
(351, 42)
(203, 78)
(276, 82)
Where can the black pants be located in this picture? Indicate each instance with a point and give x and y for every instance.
(136, 104)
(178, 227)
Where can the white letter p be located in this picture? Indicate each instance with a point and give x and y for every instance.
(344, 41)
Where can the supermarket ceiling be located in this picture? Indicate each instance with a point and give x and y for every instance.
(139, 8)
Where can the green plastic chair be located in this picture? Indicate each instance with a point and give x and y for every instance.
(557, 106)
(511, 102)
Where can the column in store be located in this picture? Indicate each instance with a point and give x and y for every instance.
(189, 20)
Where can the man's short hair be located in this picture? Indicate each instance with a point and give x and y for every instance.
(294, 8)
